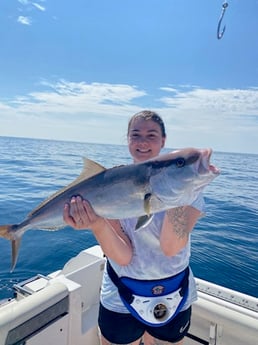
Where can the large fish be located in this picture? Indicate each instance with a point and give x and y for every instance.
(135, 190)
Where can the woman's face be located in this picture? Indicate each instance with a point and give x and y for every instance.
(145, 139)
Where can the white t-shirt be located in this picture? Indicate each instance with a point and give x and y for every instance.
(148, 261)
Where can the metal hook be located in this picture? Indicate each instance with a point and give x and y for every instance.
(219, 32)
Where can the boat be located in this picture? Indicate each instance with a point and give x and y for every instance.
(62, 309)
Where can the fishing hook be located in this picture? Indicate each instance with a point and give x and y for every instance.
(219, 32)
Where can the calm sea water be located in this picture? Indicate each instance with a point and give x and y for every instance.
(224, 242)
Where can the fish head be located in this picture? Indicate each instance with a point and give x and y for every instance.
(194, 162)
(181, 175)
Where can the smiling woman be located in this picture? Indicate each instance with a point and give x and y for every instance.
(146, 135)
(76, 72)
(33, 169)
(161, 231)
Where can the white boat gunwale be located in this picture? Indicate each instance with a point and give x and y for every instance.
(63, 308)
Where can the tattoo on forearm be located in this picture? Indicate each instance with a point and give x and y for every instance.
(178, 218)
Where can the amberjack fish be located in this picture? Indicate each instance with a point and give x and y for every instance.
(136, 190)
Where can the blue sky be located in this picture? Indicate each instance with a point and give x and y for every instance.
(77, 70)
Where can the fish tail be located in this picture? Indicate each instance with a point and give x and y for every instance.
(15, 250)
(6, 231)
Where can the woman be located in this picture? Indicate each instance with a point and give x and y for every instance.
(156, 252)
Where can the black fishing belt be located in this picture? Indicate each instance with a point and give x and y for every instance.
(154, 302)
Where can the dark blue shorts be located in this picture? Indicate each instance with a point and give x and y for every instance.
(122, 328)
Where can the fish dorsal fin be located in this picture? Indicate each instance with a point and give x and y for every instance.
(90, 169)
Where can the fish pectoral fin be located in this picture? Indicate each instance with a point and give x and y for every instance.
(143, 221)
(146, 219)
(15, 249)
(146, 203)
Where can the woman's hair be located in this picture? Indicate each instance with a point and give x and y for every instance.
(148, 115)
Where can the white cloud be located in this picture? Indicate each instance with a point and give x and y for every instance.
(24, 20)
(220, 101)
(28, 6)
(71, 98)
(24, 2)
(224, 119)
(38, 6)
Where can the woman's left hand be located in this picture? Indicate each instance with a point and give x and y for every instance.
(79, 214)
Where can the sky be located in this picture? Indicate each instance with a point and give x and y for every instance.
(78, 70)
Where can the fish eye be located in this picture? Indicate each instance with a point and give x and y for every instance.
(180, 162)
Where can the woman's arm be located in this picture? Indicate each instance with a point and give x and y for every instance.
(114, 242)
(178, 223)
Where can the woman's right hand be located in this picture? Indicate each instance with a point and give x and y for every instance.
(114, 242)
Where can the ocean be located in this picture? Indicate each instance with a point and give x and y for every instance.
(224, 241)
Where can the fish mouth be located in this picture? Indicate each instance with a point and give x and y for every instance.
(214, 169)
(205, 164)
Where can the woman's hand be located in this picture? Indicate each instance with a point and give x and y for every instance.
(79, 214)
(114, 242)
